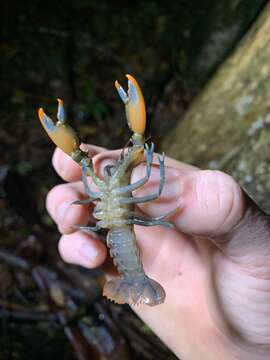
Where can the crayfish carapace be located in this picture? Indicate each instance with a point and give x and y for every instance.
(115, 204)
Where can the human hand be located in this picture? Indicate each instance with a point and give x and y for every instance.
(214, 266)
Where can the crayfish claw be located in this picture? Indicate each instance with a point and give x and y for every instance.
(61, 134)
(134, 103)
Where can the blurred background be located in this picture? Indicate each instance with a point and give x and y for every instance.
(75, 51)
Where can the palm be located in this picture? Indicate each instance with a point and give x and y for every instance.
(214, 265)
(205, 290)
(182, 265)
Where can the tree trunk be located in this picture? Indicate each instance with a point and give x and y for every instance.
(228, 125)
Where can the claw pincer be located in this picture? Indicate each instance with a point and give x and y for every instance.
(115, 208)
(134, 104)
(61, 133)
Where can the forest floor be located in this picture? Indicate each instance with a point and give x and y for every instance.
(49, 309)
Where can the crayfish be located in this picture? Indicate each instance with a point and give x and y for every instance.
(115, 204)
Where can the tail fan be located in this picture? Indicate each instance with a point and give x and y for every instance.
(134, 290)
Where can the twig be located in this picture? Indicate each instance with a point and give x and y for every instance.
(14, 260)
(26, 316)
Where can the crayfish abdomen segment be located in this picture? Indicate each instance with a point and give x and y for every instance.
(122, 244)
(134, 286)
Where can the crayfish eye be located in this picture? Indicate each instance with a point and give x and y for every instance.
(108, 170)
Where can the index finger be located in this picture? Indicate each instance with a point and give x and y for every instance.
(67, 168)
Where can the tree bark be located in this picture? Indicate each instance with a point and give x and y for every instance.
(228, 125)
(216, 28)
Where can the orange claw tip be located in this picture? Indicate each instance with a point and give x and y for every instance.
(61, 111)
(134, 82)
(41, 114)
(131, 78)
(117, 85)
(60, 102)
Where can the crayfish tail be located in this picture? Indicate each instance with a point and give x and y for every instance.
(134, 290)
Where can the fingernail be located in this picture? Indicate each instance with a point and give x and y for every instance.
(89, 253)
(62, 210)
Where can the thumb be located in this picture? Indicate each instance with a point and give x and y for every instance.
(210, 203)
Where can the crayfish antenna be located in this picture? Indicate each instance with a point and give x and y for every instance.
(62, 134)
(134, 104)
